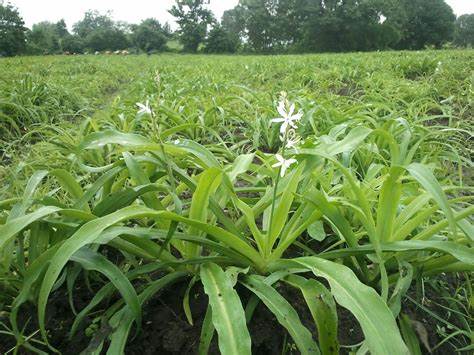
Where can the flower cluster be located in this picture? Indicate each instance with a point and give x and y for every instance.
(288, 135)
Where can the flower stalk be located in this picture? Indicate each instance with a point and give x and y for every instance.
(289, 140)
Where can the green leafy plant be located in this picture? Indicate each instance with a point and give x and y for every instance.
(354, 205)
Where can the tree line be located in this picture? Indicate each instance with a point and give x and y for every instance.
(253, 26)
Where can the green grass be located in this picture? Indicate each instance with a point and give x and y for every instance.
(379, 193)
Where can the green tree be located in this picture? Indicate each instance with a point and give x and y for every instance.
(12, 31)
(106, 39)
(220, 40)
(350, 25)
(464, 30)
(92, 21)
(425, 22)
(193, 20)
(259, 17)
(167, 29)
(233, 21)
(149, 35)
(311, 25)
(72, 44)
(44, 38)
(269, 25)
(99, 32)
(291, 16)
(61, 29)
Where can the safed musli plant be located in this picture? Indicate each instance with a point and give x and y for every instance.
(175, 206)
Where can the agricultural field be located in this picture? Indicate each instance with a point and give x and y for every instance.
(314, 204)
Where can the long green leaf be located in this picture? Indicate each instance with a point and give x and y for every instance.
(16, 225)
(284, 312)
(93, 261)
(460, 252)
(140, 178)
(388, 204)
(323, 310)
(228, 314)
(100, 139)
(426, 179)
(208, 183)
(374, 316)
(207, 332)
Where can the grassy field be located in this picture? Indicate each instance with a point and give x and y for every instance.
(264, 204)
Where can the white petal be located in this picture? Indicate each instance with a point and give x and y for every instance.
(283, 127)
(292, 109)
(280, 158)
(276, 165)
(283, 170)
(281, 109)
(277, 120)
(297, 117)
(292, 124)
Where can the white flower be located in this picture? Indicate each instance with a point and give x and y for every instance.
(284, 163)
(292, 139)
(287, 117)
(144, 108)
(292, 143)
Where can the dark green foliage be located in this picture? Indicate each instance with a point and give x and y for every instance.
(193, 20)
(338, 26)
(72, 44)
(99, 32)
(429, 22)
(106, 39)
(259, 24)
(47, 37)
(233, 21)
(91, 22)
(220, 40)
(464, 30)
(347, 26)
(12, 31)
(149, 35)
(61, 28)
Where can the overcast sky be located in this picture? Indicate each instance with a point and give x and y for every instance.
(34, 11)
